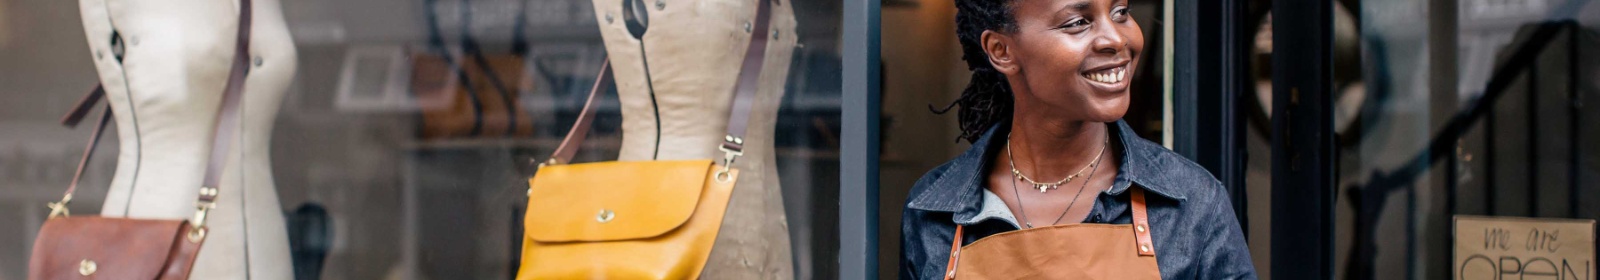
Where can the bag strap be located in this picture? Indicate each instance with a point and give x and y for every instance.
(220, 143)
(60, 208)
(84, 105)
(225, 129)
(738, 115)
(436, 45)
(580, 128)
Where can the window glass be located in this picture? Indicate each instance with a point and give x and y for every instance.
(1432, 136)
(399, 136)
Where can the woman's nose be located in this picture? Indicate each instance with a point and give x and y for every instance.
(1108, 39)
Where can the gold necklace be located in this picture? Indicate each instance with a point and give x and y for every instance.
(1012, 160)
(1024, 208)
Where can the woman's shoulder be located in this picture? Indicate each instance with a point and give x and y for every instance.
(1170, 173)
(928, 180)
(937, 187)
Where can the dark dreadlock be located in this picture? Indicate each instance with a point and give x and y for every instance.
(987, 98)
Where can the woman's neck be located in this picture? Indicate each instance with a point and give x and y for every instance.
(1052, 148)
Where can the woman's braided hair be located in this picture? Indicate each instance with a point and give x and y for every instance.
(987, 98)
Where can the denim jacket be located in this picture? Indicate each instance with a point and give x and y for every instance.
(1192, 223)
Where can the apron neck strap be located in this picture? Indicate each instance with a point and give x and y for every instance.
(955, 254)
(1141, 222)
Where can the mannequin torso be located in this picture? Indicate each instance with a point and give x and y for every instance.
(694, 49)
(166, 89)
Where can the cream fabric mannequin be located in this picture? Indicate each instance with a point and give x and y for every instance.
(166, 92)
(694, 49)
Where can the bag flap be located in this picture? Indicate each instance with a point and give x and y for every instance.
(609, 201)
(69, 247)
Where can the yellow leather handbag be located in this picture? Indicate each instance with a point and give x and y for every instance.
(624, 220)
(634, 219)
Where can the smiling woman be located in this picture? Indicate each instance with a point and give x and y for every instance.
(1050, 85)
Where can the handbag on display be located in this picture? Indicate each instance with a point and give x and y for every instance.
(98, 247)
(653, 219)
(466, 93)
(469, 98)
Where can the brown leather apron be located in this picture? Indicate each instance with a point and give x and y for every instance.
(1077, 251)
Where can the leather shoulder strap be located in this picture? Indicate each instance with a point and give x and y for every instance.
(738, 114)
(227, 123)
(749, 80)
(1141, 222)
(84, 105)
(71, 120)
(580, 128)
(83, 162)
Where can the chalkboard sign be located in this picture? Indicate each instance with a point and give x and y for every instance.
(1517, 248)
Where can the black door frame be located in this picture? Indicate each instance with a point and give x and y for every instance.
(1303, 139)
(1210, 70)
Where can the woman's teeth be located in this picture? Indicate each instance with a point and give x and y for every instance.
(1109, 76)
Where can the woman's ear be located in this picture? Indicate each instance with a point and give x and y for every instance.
(998, 46)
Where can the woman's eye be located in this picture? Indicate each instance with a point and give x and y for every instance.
(1074, 24)
(1119, 14)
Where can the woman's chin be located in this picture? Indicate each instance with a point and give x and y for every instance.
(1106, 118)
(1108, 110)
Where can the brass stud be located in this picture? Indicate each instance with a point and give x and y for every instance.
(608, 17)
(87, 267)
(605, 216)
(747, 27)
(1144, 248)
(1138, 228)
(661, 5)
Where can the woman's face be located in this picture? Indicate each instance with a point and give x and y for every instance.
(1074, 57)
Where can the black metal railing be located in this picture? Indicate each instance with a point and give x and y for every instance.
(1369, 200)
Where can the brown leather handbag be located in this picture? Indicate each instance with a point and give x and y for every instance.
(469, 94)
(635, 219)
(96, 247)
(477, 98)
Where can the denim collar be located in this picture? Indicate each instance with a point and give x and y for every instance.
(958, 189)
(992, 208)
